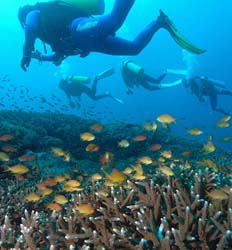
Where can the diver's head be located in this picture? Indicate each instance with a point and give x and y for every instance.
(22, 14)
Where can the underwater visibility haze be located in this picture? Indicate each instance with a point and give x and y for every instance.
(137, 169)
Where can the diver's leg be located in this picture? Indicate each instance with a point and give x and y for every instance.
(101, 26)
(114, 45)
(91, 92)
(152, 79)
(98, 97)
(214, 106)
(113, 21)
(225, 92)
(213, 101)
(146, 85)
(94, 86)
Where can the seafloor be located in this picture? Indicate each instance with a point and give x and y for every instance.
(154, 190)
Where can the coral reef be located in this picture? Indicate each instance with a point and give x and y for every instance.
(174, 198)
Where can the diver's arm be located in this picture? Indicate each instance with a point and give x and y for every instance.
(31, 32)
(56, 58)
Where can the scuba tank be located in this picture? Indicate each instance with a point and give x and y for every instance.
(90, 7)
(81, 79)
(133, 67)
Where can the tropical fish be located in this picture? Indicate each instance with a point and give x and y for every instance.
(46, 191)
(92, 148)
(26, 157)
(32, 197)
(50, 182)
(166, 119)
(85, 209)
(86, 136)
(103, 193)
(123, 144)
(4, 156)
(71, 189)
(54, 206)
(139, 138)
(9, 149)
(155, 147)
(146, 160)
(58, 151)
(167, 171)
(227, 138)
(209, 146)
(106, 158)
(150, 126)
(72, 183)
(116, 176)
(60, 199)
(222, 124)
(18, 169)
(96, 177)
(225, 118)
(194, 131)
(60, 178)
(166, 154)
(97, 127)
(217, 195)
(186, 153)
(128, 170)
(6, 137)
(187, 165)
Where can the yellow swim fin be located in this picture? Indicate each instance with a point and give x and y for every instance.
(178, 37)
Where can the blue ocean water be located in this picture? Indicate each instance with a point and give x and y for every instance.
(206, 23)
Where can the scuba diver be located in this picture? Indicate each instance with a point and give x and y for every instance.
(75, 86)
(71, 30)
(134, 75)
(202, 86)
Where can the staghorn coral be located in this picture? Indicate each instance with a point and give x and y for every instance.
(145, 215)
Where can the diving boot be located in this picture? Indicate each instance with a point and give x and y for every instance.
(165, 22)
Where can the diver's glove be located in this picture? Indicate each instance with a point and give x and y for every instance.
(58, 60)
(36, 55)
(25, 62)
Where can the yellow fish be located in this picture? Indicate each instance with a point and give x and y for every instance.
(86, 136)
(166, 154)
(167, 171)
(209, 146)
(46, 191)
(60, 199)
(225, 118)
(123, 144)
(18, 169)
(116, 176)
(4, 157)
(58, 151)
(194, 131)
(227, 138)
(96, 177)
(166, 119)
(146, 160)
(32, 197)
(223, 124)
(217, 195)
(150, 126)
(85, 209)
